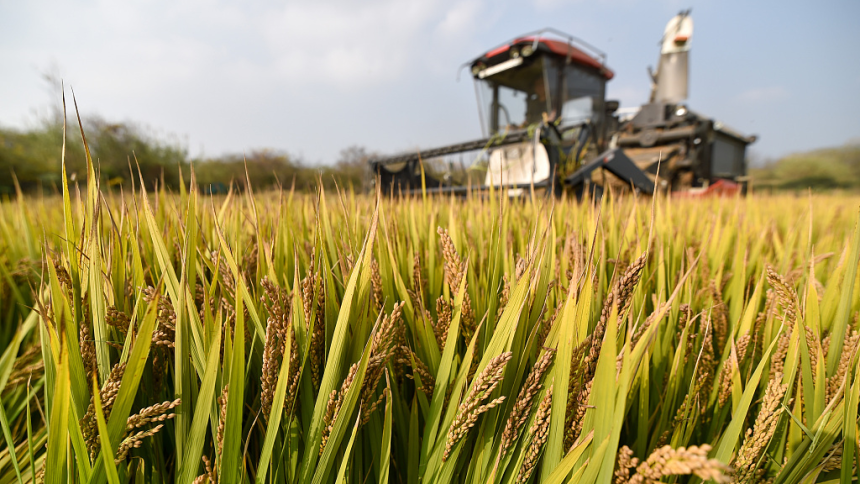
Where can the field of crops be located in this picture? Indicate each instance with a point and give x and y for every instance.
(289, 338)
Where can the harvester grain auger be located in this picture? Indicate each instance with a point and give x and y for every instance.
(548, 127)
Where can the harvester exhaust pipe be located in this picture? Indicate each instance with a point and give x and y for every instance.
(669, 84)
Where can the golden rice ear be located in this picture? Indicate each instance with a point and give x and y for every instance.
(539, 432)
(758, 439)
(472, 407)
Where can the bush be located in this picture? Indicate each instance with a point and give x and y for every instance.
(831, 168)
(119, 149)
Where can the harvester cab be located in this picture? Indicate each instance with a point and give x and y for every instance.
(542, 111)
(552, 86)
(547, 126)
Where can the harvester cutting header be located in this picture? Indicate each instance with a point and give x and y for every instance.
(548, 126)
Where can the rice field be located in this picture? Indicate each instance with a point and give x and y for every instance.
(281, 337)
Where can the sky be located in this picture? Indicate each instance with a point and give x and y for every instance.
(314, 77)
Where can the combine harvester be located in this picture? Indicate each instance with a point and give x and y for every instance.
(548, 127)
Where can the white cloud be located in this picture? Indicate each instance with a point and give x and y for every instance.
(349, 44)
(544, 5)
(338, 43)
(252, 74)
(764, 94)
(460, 19)
(547, 4)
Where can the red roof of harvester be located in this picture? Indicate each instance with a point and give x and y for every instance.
(560, 48)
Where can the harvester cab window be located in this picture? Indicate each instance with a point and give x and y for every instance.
(517, 97)
(580, 84)
(577, 111)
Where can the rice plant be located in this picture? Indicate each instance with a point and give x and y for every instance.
(339, 337)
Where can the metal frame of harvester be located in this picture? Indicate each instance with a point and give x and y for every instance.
(548, 126)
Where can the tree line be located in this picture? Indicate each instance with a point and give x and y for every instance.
(32, 157)
(835, 168)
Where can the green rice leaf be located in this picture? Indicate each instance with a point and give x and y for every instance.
(57, 436)
(331, 375)
(205, 402)
(10, 444)
(731, 436)
(558, 475)
(347, 455)
(231, 453)
(108, 451)
(843, 311)
(385, 445)
(275, 414)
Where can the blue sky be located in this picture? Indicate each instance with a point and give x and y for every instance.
(313, 77)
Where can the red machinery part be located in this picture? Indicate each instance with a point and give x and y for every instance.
(720, 188)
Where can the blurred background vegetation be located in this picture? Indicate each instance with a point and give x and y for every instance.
(33, 155)
(823, 169)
